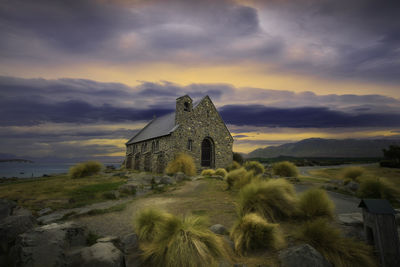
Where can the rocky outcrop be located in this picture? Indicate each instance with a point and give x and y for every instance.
(6, 208)
(46, 245)
(102, 254)
(302, 256)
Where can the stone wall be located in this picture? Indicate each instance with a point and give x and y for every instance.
(196, 124)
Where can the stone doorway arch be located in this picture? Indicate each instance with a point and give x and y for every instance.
(207, 153)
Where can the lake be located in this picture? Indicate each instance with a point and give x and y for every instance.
(36, 169)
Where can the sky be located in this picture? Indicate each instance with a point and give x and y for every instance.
(79, 78)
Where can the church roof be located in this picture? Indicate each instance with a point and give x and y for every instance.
(158, 127)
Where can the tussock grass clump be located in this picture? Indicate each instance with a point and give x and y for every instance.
(338, 250)
(239, 178)
(221, 172)
(253, 232)
(377, 188)
(273, 199)
(285, 169)
(85, 169)
(148, 223)
(254, 166)
(315, 203)
(183, 242)
(233, 166)
(352, 173)
(207, 172)
(182, 163)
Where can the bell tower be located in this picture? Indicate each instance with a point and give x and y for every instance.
(184, 108)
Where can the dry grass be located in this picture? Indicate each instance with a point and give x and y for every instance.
(221, 172)
(85, 169)
(236, 179)
(353, 172)
(183, 242)
(233, 166)
(285, 169)
(377, 188)
(148, 223)
(316, 203)
(252, 232)
(273, 199)
(254, 166)
(338, 250)
(182, 163)
(207, 172)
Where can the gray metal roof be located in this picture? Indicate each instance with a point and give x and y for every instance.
(378, 206)
(161, 126)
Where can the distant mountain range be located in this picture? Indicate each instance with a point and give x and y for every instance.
(317, 147)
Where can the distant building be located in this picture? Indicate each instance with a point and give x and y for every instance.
(194, 128)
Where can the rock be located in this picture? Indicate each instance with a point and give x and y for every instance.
(129, 188)
(180, 176)
(353, 186)
(6, 208)
(219, 229)
(106, 239)
(46, 245)
(166, 180)
(352, 219)
(14, 225)
(44, 211)
(302, 256)
(337, 182)
(50, 218)
(98, 255)
(130, 243)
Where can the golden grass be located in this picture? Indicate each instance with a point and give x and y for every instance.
(238, 178)
(182, 242)
(285, 169)
(315, 203)
(338, 250)
(254, 166)
(182, 163)
(84, 169)
(352, 172)
(221, 172)
(207, 172)
(274, 199)
(252, 232)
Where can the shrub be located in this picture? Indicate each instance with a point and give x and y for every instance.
(238, 158)
(352, 172)
(273, 199)
(208, 172)
(285, 169)
(221, 172)
(233, 166)
(182, 163)
(254, 166)
(377, 188)
(239, 178)
(314, 203)
(252, 232)
(148, 223)
(85, 169)
(338, 250)
(183, 242)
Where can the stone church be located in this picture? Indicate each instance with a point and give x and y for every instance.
(194, 128)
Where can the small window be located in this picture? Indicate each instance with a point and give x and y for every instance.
(153, 146)
(186, 106)
(190, 145)
(157, 145)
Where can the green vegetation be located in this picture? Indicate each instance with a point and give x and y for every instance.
(315, 203)
(254, 166)
(182, 163)
(338, 250)
(252, 232)
(377, 188)
(221, 172)
(285, 169)
(238, 158)
(317, 161)
(273, 199)
(85, 169)
(207, 172)
(353, 172)
(172, 241)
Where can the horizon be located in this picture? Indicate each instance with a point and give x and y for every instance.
(80, 79)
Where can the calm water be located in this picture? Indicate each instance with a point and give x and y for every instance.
(28, 170)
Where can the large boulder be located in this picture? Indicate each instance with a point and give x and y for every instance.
(10, 227)
(219, 229)
(103, 254)
(130, 243)
(180, 176)
(46, 245)
(6, 208)
(302, 256)
(166, 180)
